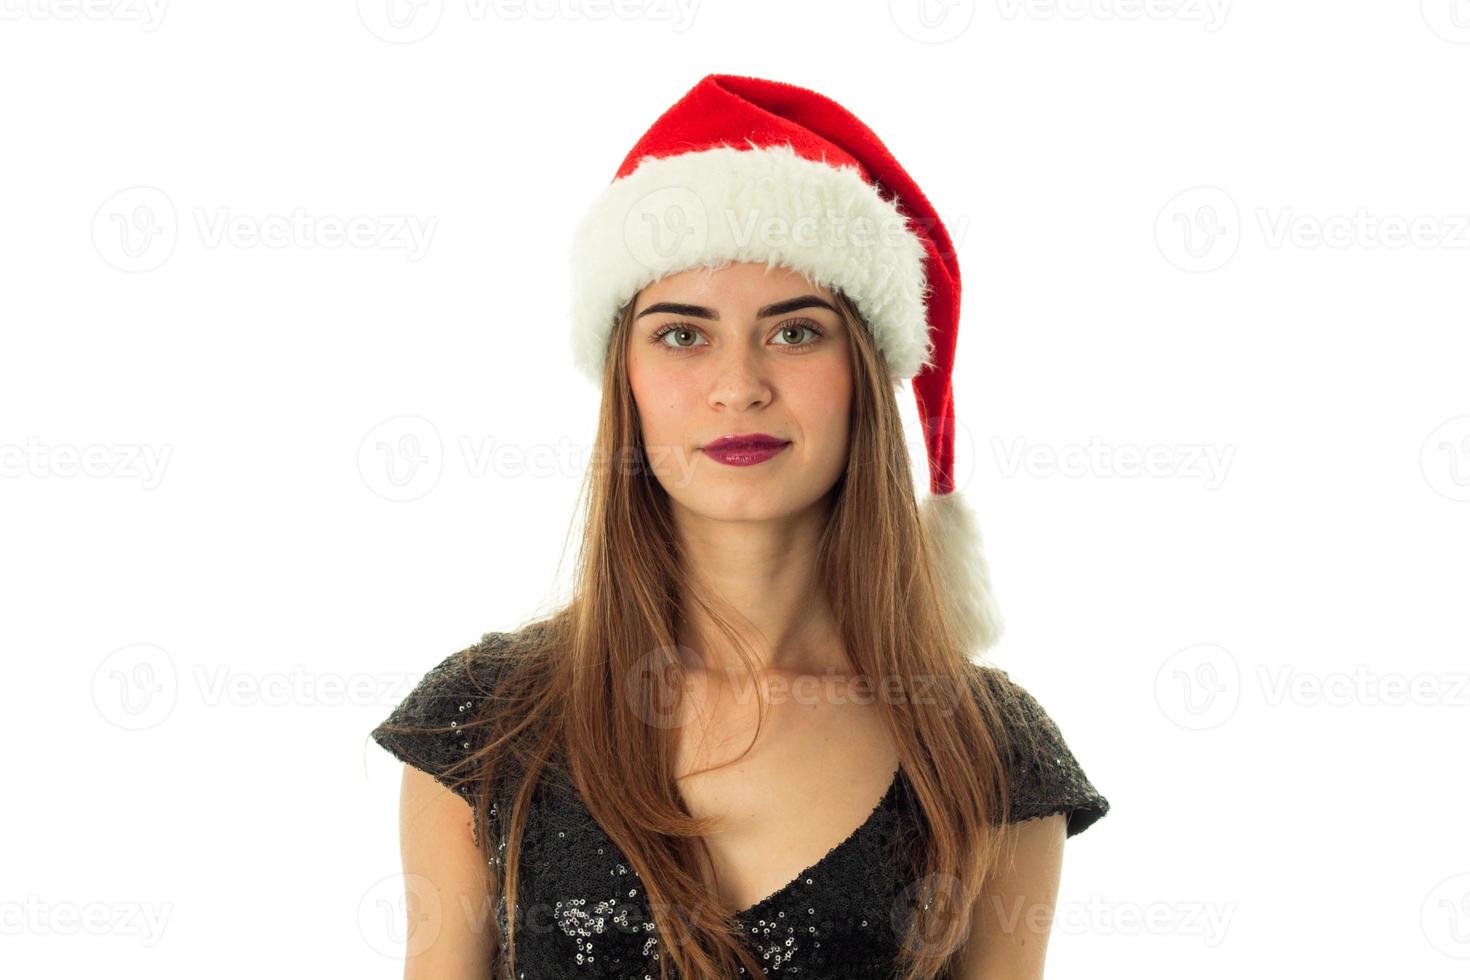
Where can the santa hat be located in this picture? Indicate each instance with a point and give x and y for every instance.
(749, 170)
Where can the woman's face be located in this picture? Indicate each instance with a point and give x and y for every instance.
(741, 350)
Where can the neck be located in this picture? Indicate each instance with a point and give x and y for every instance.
(761, 577)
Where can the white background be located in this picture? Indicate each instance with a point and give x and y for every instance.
(1229, 239)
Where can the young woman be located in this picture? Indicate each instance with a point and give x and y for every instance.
(755, 741)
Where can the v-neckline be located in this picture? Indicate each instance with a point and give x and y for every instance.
(832, 851)
(813, 868)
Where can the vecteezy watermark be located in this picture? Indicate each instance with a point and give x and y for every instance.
(406, 232)
(137, 687)
(1016, 915)
(137, 229)
(1204, 920)
(400, 21)
(1203, 462)
(677, 220)
(1361, 686)
(659, 682)
(1210, 14)
(222, 684)
(1200, 229)
(1362, 229)
(932, 21)
(34, 916)
(407, 21)
(401, 458)
(938, 21)
(400, 915)
(125, 461)
(147, 14)
(404, 457)
(1450, 19)
(1201, 687)
(1445, 458)
(1198, 687)
(1444, 916)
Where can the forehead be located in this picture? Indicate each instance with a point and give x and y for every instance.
(738, 287)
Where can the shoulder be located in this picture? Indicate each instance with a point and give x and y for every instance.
(468, 673)
(428, 728)
(1044, 775)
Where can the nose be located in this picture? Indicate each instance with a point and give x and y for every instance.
(739, 382)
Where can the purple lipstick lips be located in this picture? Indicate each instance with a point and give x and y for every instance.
(745, 449)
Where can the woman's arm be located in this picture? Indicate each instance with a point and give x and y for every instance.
(1013, 915)
(450, 935)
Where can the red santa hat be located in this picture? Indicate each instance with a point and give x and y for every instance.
(749, 170)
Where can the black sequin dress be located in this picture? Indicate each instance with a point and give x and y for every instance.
(583, 914)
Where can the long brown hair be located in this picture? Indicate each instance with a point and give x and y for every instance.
(584, 688)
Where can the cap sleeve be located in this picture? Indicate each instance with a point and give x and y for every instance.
(1045, 777)
(424, 730)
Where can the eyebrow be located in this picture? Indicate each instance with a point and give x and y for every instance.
(774, 309)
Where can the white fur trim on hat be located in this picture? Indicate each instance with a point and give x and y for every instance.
(959, 556)
(764, 204)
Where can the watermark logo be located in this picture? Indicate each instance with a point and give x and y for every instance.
(655, 687)
(220, 684)
(672, 221)
(1206, 463)
(936, 901)
(1445, 916)
(1445, 459)
(407, 21)
(663, 223)
(1209, 14)
(399, 916)
(1362, 229)
(147, 14)
(129, 461)
(932, 21)
(1017, 916)
(1450, 19)
(34, 916)
(1198, 230)
(1361, 687)
(136, 687)
(401, 458)
(1202, 686)
(1198, 687)
(1206, 921)
(136, 229)
(916, 438)
(407, 233)
(400, 21)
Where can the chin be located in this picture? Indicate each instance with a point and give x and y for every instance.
(742, 505)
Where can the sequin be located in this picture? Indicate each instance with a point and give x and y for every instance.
(581, 912)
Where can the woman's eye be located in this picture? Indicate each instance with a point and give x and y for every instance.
(678, 332)
(796, 329)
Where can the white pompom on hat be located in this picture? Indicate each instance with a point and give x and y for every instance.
(750, 170)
